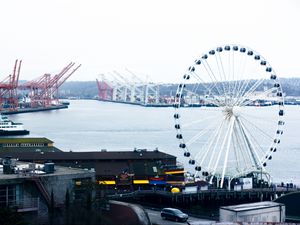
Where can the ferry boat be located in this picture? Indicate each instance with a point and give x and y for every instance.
(8, 127)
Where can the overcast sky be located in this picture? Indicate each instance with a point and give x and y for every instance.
(160, 38)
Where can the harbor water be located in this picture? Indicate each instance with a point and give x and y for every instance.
(90, 125)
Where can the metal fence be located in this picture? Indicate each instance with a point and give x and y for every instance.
(22, 205)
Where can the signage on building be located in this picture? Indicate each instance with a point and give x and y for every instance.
(247, 183)
(124, 179)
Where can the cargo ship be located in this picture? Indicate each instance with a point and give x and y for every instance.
(8, 127)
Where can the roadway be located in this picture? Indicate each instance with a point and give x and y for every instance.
(156, 219)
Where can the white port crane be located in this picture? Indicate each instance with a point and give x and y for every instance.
(148, 89)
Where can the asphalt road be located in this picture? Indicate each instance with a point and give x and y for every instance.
(155, 218)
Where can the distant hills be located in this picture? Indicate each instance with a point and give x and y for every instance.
(89, 90)
(79, 89)
(291, 86)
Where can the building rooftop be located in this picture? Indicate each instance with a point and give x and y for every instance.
(103, 155)
(8, 150)
(23, 171)
(24, 140)
(251, 206)
(34, 144)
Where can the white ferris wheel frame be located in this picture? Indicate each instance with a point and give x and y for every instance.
(229, 94)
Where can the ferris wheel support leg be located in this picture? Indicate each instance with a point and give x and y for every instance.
(229, 183)
(227, 151)
(220, 153)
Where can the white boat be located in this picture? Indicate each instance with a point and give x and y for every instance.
(8, 127)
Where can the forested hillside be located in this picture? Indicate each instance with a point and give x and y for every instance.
(88, 89)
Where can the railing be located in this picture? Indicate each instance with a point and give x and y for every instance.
(22, 205)
(209, 191)
(38, 180)
(173, 167)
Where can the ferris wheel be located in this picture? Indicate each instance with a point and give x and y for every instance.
(229, 113)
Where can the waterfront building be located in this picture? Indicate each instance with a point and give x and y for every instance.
(27, 145)
(116, 170)
(31, 187)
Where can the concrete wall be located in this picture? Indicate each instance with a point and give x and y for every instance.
(292, 204)
(126, 214)
(59, 184)
(272, 214)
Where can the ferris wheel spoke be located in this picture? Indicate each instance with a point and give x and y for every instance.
(246, 159)
(238, 146)
(225, 165)
(213, 84)
(236, 153)
(221, 72)
(212, 76)
(258, 122)
(258, 143)
(233, 73)
(244, 95)
(211, 101)
(198, 121)
(199, 135)
(242, 90)
(244, 148)
(213, 139)
(257, 128)
(255, 113)
(244, 82)
(219, 132)
(204, 151)
(254, 154)
(221, 151)
(212, 90)
(215, 101)
(241, 71)
(239, 151)
(253, 98)
(249, 147)
(249, 92)
(228, 71)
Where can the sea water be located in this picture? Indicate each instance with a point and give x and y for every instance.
(90, 125)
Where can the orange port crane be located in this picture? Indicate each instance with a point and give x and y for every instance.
(35, 88)
(8, 89)
(59, 79)
(43, 91)
(105, 90)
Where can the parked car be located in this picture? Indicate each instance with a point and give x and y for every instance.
(173, 214)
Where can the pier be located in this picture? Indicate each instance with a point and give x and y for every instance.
(208, 197)
(38, 109)
(206, 204)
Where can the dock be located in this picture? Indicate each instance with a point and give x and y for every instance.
(29, 110)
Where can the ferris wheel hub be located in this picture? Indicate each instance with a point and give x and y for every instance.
(230, 111)
(236, 111)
